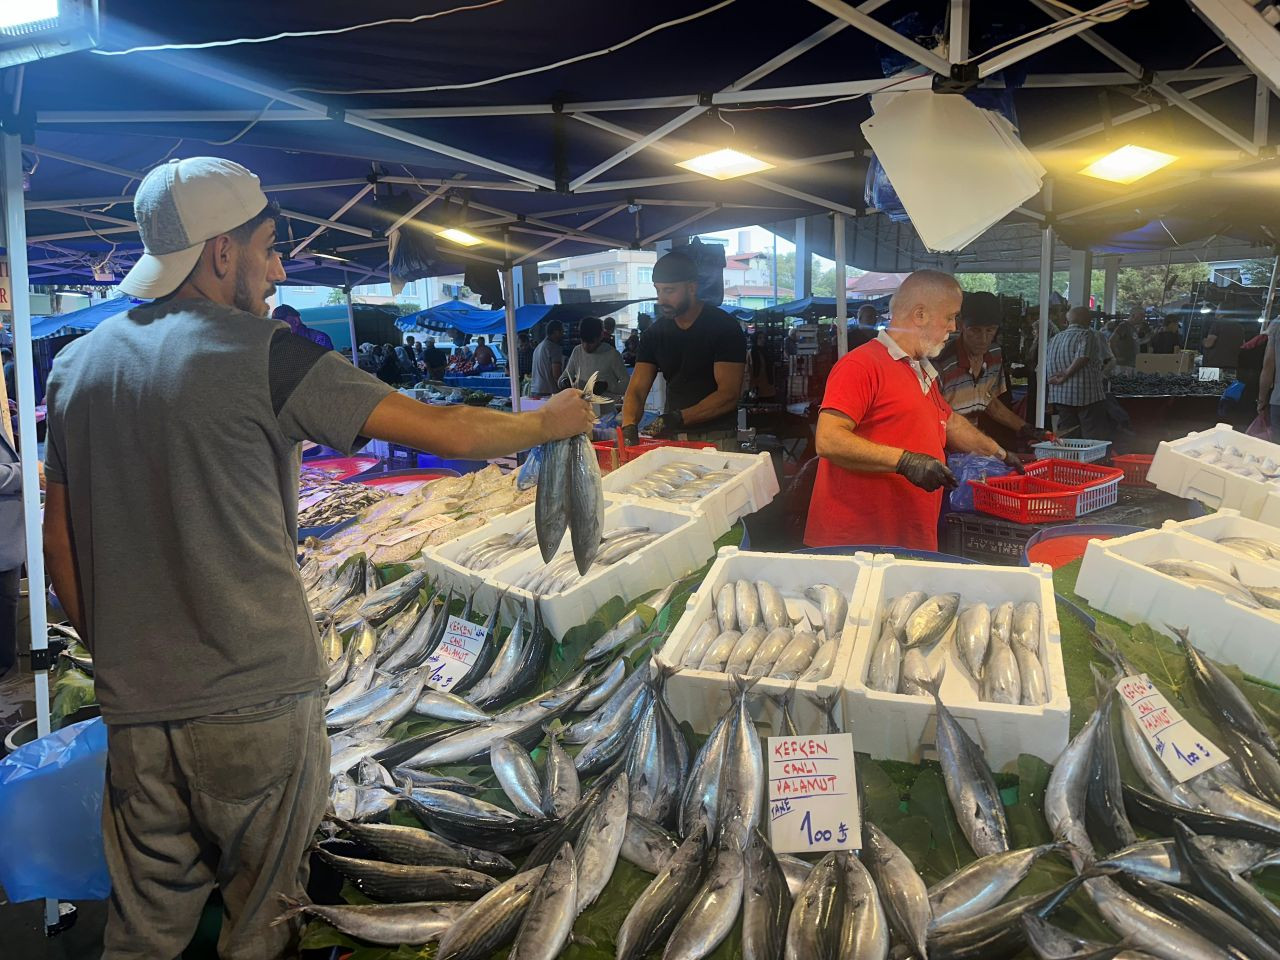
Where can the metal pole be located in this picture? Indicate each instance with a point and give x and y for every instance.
(775, 264)
(513, 358)
(351, 325)
(1271, 292)
(842, 304)
(15, 232)
(1042, 341)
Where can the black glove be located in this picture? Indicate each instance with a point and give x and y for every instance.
(667, 425)
(630, 435)
(1034, 434)
(1014, 462)
(925, 472)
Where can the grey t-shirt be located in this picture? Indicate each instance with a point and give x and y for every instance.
(545, 355)
(176, 428)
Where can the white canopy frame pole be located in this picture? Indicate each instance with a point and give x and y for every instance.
(1271, 293)
(16, 242)
(1046, 285)
(842, 301)
(351, 324)
(513, 352)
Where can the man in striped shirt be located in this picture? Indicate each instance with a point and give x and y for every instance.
(1074, 365)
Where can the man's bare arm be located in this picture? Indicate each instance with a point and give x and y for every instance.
(837, 441)
(966, 438)
(720, 401)
(638, 388)
(60, 556)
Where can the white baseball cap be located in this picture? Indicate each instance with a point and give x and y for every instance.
(179, 205)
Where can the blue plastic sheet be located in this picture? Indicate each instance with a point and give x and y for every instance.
(51, 809)
(971, 466)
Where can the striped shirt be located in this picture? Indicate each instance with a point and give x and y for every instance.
(967, 394)
(1085, 386)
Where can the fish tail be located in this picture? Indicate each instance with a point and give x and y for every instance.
(293, 906)
(743, 684)
(1183, 634)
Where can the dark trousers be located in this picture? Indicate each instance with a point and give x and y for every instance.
(1091, 422)
(9, 580)
(232, 799)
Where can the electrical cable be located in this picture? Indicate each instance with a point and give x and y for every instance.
(522, 73)
(249, 126)
(1206, 55)
(1101, 14)
(292, 35)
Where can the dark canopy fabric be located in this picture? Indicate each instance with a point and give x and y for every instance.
(154, 97)
(480, 322)
(80, 321)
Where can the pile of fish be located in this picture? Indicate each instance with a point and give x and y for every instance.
(341, 501)
(1255, 548)
(570, 495)
(564, 572)
(1230, 585)
(682, 481)
(496, 551)
(1251, 466)
(1000, 649)
(396, 529)
(752, 633)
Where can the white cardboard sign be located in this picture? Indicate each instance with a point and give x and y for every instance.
(813, 794)
(1183, 749)
(457, 652)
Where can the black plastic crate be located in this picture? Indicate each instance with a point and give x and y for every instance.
(976, 536)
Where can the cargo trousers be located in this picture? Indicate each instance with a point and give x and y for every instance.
(231, 800)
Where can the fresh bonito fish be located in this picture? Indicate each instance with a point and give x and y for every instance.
(548, 920)
(646, 844)
(885, 668)
(773, 608)
(747, 604)
(797, 657)
(721, 649)
(906, 899)
(714, 908)
(1269, 597)
(973, 634)
(982, 884)
(562, 790)
(1034, 683)
(744, 650)
(517, 776)
(492, 921)
(931, 620)
(1253, 547)
(385, 924)
(917, 680)
(1002, 680)
(1002, 623)
(727, 607)
(1026, 626)
(864, 932)
(1064, 797)
(900, 610)
(600, 842)
(703, 637)
(664, 901)
(770, 649)
(766, 902)
(814, 930)
(834, 607)
(823, 661)
(1207, 575)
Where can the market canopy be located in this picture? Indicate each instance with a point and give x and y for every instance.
(80, 321)
(553, 136)
(480, 322)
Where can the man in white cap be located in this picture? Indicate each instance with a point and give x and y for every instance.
(170, 535)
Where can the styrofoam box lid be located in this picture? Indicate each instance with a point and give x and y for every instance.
(1175, 471)
(701, 696)
(1224, 523)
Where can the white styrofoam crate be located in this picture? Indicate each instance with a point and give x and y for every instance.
(441, 561)
(898, 727)
(685, 545)
(754, 485)
(1225, 523)
(701, 696)
(1173, 471)
(1115, 579)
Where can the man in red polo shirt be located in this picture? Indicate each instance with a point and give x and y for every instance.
(884, 428)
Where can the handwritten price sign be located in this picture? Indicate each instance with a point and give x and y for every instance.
(457, 653)
(813, 796)
(1183, 749)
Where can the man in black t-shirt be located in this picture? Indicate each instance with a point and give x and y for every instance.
(700, 351)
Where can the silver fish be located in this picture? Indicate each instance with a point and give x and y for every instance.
(742, 775)
(605, 687)
(1269, 597)
(1064, 797)
(365, 639)
(586, 502)
(1002, 681)
(442, 705)
(551, 505)
(1253, 547)
(713, 910)
(1144, 927)
(834, 607)
(772, 605)
(505, 667)
(359, 709)
(1049, 942)
(747, 603)
(1026, 626)
(916, 680)
(664, 901)
(1203, 574)
(702, 639)
(982, 884)
(463, 745)
(415, 846)
(900, 610)
(745, 650)
(766, 902)
(931, 620)
(408, 883)
(797, 657)
(973, 634)
(630, 626)
(721, 649)
(727, 607)
(331, 645)
(358, 683)
(343, 796)
(864, 933)
(769, 651)
(1002, 623)
(517, 775)
(646, 844)
(885, 668)
(386, 924)
(548, 921)
(823, 661)
(795, 870)
(493, 920)
(1034, 683)
(592, 727)
(700, 802)
(562, 790)
(906, 899)
(405, 699)
(600, 842)
(969, 783)
(814, 930)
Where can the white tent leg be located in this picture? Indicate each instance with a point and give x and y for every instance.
(842, 302)
(1042, 341)
(513, 357)
(16, 242)
(351, 325)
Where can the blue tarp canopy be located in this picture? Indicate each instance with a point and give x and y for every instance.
(79, 321)
(480, 322)
(819, 306)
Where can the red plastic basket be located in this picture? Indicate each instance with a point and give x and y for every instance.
(1049, 490)
(614, 455)
(1135, 467)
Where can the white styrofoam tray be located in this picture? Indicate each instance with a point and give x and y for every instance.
(1225, 523)
(441, 561)
(754, 485)
(1115, 579)
(702, 696)
(685, 545)
(898, 727)
(1173, 471)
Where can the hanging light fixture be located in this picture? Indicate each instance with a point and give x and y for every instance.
(1128, 164)
(722, 159)
(460, 237)
(38, 29)
(451, 229)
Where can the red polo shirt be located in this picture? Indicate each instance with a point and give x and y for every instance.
(886, 400)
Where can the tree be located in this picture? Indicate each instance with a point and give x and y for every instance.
(336, 296)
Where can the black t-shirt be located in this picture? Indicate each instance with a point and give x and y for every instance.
(687, 358)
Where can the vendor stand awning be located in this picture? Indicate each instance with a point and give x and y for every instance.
(477, 321)
(80, 321)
